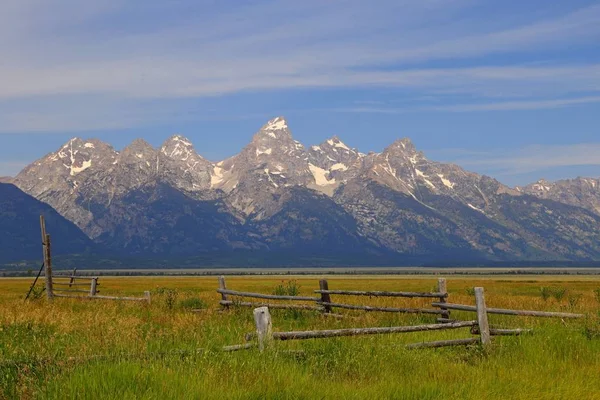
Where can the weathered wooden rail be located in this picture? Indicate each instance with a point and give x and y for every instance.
(329, 305)
(326, 305)
(480, 326)
(69, 289)
(503, 311)
(227, 302)
(265, 335)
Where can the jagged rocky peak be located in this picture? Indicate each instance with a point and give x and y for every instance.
(275, 128)
(542, 185)
(139, 149)
(182, 167)
(178, 147)
(403, 146)
(74, 157)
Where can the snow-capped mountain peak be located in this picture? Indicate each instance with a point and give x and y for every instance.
(178, 147)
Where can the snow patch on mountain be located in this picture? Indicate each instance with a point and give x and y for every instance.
(320, 175)
(446, 182)
(216, 177)
(275, 124)
(339, 167)
(84, 165)
(265, 151)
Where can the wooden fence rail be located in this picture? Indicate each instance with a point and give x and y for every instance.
(298, 335)
(479, 327)
(266, 296)
(270, 305)
(56, 289)
(502, 311)
(383, 309)
(326, 305)
(383, 293)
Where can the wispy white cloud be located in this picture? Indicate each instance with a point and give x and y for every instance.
(534, 158)
(515, 105)
(128, 55)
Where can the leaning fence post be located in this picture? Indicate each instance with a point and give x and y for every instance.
(72, 279)
(443, 289)
(482, 319)
(147, 296)
(93, 287)
(262, 318)
(325, 297)
(222, 286)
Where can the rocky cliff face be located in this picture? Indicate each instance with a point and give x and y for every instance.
(580, 192)
(278, 196)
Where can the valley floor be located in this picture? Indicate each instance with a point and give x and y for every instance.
(111, 350)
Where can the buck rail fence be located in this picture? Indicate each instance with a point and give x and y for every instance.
(479, 326)
(70, 286)
(324, 303)
(227, 302)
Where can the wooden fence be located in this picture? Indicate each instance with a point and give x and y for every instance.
(479, 327)
(71, 286)
(227, 301)
(324, 303)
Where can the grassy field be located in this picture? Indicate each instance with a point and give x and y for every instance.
(113, 350)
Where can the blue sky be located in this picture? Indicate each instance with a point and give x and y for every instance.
(507, 88)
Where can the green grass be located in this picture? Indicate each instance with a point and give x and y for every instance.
(166, 351)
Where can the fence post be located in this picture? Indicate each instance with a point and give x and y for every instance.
(47, 258)
(223, 287)
(48, 266)
(93, 287)
(264, 331)
(443, 299)
(482, 319)
(325, 297)
(147, 296)
(72, 280)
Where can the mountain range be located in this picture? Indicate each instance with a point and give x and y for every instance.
(327, 202)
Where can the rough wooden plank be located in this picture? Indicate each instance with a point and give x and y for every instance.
(382, 309)
(71, 290)
(503, 311)
(264, 328)
(266, 296)
(443, 289)
(75, 277)
(502, 332)
(238, 347)
(482, 319)
(325, 296)
(299, 335)
(442, 343)
(382, 293)
(55, 283)
(98, 297)
(270, 305)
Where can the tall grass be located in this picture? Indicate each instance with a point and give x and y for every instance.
(165, 351)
